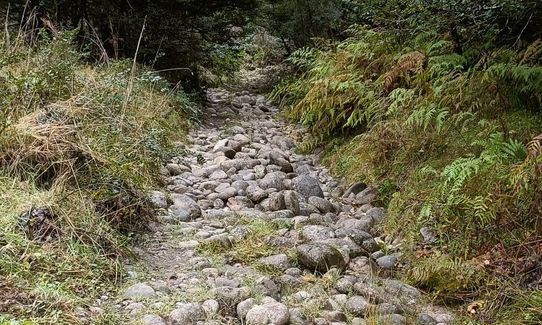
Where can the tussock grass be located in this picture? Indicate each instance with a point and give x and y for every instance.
(251, 247)
(75, 144)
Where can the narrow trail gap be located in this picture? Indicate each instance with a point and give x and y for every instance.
(245, 225)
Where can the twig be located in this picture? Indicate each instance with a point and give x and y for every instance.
(132, 73)
(524, 28)
(175, 69)
(22, 18)
(7, 29)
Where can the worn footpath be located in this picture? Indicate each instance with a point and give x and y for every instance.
(253, 233)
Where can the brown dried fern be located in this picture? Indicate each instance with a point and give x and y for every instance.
(409, 63)
(532, 52)
(534, 147)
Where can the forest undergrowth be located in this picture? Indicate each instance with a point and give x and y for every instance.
(453, 142)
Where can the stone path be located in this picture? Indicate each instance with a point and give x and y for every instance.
(253, 233)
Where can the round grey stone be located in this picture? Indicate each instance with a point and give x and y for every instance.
(320, 257)
(139, 291)
(269, 313)
(187, 314)
(387, 262)
(307, 186)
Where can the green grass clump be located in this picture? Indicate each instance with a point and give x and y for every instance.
(450, 138)
(83, 142)
(252, 247)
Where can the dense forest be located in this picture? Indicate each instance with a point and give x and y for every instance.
(437, 104)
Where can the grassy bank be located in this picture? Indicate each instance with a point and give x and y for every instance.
(80, 144)
(451, 140)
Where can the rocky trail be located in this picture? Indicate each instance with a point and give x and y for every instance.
(253, 233)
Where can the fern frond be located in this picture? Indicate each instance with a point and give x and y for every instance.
(526, 79)
(445, 64)
(409, 63)
(534, 147)
(532, 52)
(440, 47)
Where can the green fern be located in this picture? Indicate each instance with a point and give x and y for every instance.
(399, 99)
(526, 79)
(444, 64)
(426, 116)
(445, 275)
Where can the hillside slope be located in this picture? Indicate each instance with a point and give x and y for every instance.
(79, 147)
(453, 140)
